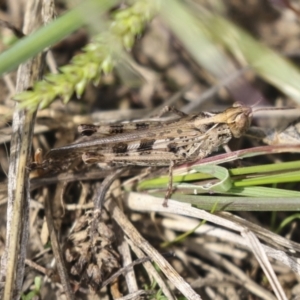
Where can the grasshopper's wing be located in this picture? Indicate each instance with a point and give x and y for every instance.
(163, 138)
(188, 145)
(104, 130)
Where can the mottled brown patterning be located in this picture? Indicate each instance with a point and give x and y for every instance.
(153, 143)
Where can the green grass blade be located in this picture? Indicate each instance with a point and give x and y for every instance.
(31, 45)
(255, 170)
(220, 173)
(227, 203)
(287, 221)
(266, 168)
(270, 179)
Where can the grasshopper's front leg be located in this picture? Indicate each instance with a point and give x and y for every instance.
(170, 184)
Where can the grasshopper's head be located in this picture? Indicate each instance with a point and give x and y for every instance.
(238, 118)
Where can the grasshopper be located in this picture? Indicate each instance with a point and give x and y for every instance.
(153, 143)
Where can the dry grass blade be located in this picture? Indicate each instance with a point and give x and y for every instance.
(242, 278)
(61, 268)
(13, 261)
(262, 258)
(124, 250)
(182, 224)
(151, 270)
(264, 234)
(138, 240)
(148, 203)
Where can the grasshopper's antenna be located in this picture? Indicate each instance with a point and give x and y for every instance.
(257, 102)
(272, 108)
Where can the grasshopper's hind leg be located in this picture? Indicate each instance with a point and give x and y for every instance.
(173, 110)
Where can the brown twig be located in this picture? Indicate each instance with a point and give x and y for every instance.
(100, 197)
(62, 271)
(13, 259)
